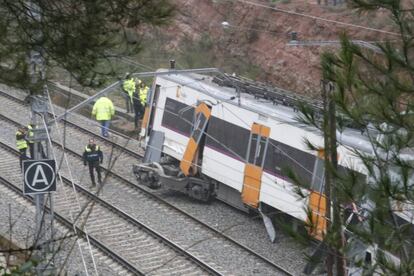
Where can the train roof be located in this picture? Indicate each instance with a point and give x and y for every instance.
(265, 107)
(207, 85)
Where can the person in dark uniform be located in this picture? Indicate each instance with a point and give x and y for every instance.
(93, 156)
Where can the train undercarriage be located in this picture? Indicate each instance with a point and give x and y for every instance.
(166, 174)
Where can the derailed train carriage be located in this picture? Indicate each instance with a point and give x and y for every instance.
(208, 140)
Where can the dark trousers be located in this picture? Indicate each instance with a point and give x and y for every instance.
(95, 166)
(128, 103)
(139, 113)
(22, 156)
(31, 148)
(39, 150)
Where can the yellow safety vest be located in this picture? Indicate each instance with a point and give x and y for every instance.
(143, 92)
(30, 133)
(103, 109)
(129, 86)
(20, 143)
(87, 149)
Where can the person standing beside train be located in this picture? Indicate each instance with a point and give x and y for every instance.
(139, 101)
(104, 110)
(143, 94)
(136, 102)
(128, 87)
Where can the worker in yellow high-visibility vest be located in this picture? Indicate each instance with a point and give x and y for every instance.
(128, 87)
(21, 144)
(103, 109)
(143, 94)
(139, 101)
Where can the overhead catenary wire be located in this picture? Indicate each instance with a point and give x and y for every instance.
(315, 17)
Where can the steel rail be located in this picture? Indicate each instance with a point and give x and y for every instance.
(91, 133)
(130, 267)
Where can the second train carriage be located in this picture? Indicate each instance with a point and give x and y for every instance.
(209, 141)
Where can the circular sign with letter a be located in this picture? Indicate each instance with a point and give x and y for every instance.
(39, 176)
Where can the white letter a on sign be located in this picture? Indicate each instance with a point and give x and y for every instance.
(39, 177)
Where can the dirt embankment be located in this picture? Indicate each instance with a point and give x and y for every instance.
(259, 37)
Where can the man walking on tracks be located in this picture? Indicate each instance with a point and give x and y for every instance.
(103, 109)
(93, 156)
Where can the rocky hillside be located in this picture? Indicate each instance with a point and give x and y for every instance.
(255, 42)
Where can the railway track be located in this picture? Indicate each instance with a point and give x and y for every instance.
(120, 190)
(141, 250)
(8, 176)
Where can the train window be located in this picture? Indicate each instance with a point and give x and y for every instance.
(199, 126)
(251, 148)
(318, 178)
(368, 258)
(256, 150)
(227, 138)
(280, 158)
(176, 120)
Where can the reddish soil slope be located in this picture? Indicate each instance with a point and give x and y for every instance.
(260, 36)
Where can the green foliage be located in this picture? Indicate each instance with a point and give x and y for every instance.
(73, 34)
(26, 268)
(374, 93)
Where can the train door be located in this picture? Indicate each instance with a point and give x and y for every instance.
(189, 162)
(255, 158)
(317, 198)
(150, 111)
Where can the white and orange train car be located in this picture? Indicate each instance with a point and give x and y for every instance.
(211, 141)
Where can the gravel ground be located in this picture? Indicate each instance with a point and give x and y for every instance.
(22, 216)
